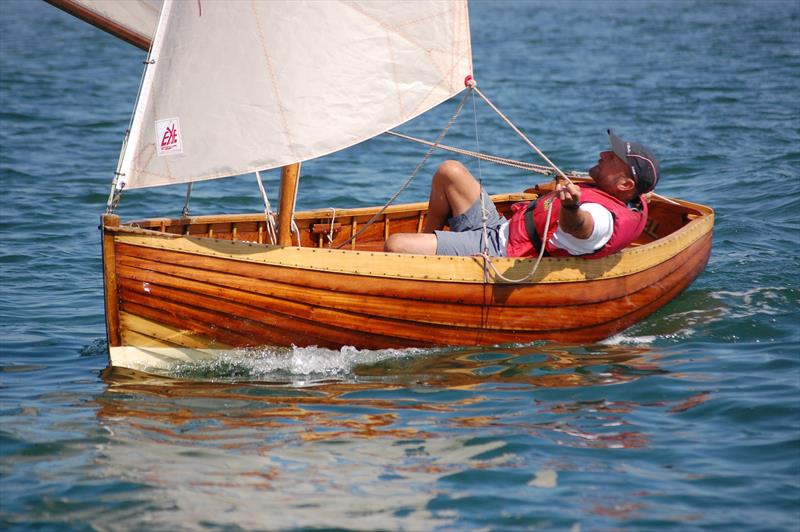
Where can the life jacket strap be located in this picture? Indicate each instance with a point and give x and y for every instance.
(530, 227)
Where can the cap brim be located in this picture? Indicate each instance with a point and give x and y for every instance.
(618, 146)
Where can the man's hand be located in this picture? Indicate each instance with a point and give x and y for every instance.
(571, 219)
(570, 195)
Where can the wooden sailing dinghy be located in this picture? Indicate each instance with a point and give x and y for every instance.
(235, 88)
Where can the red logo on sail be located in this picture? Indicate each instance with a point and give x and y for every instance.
(168, 137)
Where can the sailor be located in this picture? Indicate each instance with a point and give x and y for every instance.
(590, 220)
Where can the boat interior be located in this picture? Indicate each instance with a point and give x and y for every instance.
(329, 228)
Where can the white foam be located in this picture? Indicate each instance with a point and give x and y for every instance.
(294, 362)
(746, 303)
(624, 339)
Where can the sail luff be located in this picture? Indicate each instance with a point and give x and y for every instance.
(124, 169)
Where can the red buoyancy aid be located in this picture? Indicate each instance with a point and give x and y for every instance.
(628, 224)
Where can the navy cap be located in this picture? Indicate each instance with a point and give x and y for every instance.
(643, 164)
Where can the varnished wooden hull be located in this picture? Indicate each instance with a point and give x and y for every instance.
(176, 296)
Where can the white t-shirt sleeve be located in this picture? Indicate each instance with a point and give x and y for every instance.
(603, 229)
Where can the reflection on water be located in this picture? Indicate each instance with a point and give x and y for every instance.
(396, 443)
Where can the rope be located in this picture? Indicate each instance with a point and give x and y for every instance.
(506, 162)
(330, 231)
(550, 208)
(484, 210)
(488, 261)
(522, 165)
(270, 218)
(414, 173)
(521, 134)
(296, 231)
(664, 198)
(185, 213)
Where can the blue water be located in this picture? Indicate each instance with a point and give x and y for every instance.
(688, 420)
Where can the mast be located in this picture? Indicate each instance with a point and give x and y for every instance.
(289, 176)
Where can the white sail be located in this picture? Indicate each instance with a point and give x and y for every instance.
(239, 86)
(131, 20)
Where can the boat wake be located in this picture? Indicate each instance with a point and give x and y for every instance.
(295, 365)
(698, 312)
(767, 301)
(629, 339)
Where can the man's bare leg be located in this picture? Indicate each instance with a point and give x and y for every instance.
(453, 191)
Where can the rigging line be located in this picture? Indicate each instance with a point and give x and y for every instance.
(330, 231)
(530, 274)
(532, 145)
(268, 216)
(522, 135)
(535, 267)
(415, 172)
(116, 185)
(477, 139)
(185, 213)
(120, 179)
(663, 198)
(522, 165)
(487, 262)
(484, 210)
(485, 256)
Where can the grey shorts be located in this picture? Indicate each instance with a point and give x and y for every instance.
(466, 231)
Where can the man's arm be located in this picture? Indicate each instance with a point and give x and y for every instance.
(571, 219)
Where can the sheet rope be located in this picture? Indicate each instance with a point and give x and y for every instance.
(416, 170)
(487, 261)
(503, 161)
(268, 215)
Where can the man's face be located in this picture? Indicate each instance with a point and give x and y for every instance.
(608, 172)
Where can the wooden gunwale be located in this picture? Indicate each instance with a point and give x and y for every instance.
(362, 213)
(425, 267)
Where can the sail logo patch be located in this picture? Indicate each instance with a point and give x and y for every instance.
(169, 139)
